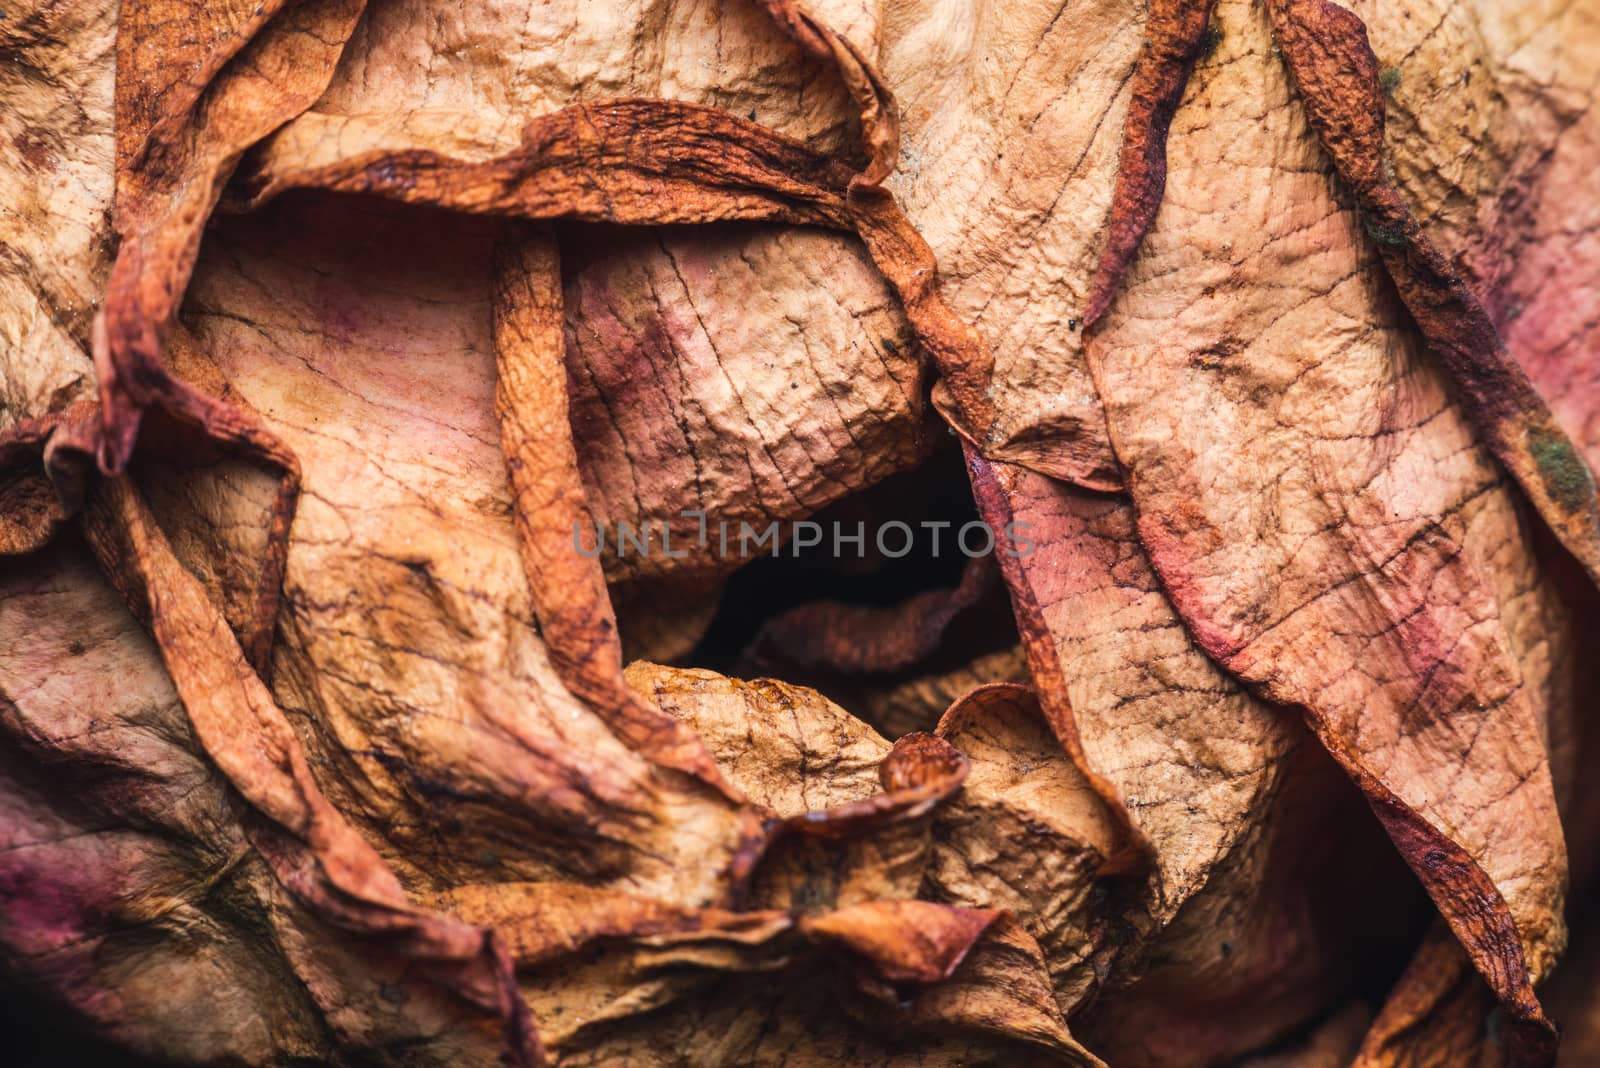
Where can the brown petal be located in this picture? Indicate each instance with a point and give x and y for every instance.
(312, 849)
(1323, 521)
(188, 107)
(1326, 49)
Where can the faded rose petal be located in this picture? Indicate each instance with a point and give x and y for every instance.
(896, 707)
(855, 639)
(1093, 614)
(144, 904)
(1438, 1013)
(1175, 33)
(569, 593)
(1492, 137)
(742, 376)
(189, 104)
(1334, 551)
(1027, 835)
(907, 941)
(312, 849)
(1337, 75)
(56, 126)
(41, 476)
(381, 787)
(445, 699)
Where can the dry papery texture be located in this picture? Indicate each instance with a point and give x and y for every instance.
(324, 324)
